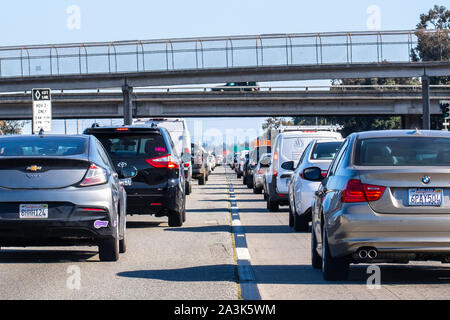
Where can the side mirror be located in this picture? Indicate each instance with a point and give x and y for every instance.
(288, 166)
(313, 174)
(128, 172)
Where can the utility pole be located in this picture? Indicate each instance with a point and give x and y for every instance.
(426, 120)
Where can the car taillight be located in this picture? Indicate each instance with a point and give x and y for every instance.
(164, 162)
(275, 156)
(187, 164)
(94, 176)
(260, 171)
(373, 193)
(275, 173)
(355, 191)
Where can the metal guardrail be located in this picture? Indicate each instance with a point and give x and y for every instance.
(264, 88)
(210, 52)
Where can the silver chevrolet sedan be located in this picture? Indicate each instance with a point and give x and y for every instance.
(386, 199)
(61, 190)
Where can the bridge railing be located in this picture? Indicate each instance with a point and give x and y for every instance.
(211, 52)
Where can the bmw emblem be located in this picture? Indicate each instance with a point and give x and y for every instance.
(426, 179)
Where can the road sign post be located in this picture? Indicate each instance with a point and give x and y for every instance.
(42, 110)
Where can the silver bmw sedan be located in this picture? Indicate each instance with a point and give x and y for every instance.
(386, 198)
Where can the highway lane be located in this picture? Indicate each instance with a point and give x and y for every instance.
(192, 262)
(198, 261)
(281, 262)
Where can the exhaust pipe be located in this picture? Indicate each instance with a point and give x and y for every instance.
(372, 254)
(362, 254)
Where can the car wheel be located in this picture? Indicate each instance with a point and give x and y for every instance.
(175, 219)
(291, 217)
(188, 188)
(201, 180)
(301, 222)
(109, 249)
(333, 269)
(272, 206)
(239, 176)
(316, 260)
(244, 181)
(123, 242)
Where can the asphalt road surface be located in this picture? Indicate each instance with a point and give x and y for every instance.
(230, 247)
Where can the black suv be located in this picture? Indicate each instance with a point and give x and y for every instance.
(159, 187)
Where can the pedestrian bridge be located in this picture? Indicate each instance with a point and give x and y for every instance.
(272, 57)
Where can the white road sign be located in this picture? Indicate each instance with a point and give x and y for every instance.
(42, 110)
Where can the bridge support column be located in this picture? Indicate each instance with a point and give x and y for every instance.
(411, 121)
(127, 105)
(426, 120)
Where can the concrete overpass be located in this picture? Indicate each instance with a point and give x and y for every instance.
(276, 57)
(202, 102)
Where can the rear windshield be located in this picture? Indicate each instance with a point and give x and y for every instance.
(325, 150)
(47, 146)
(403, 151)
(171, 126)
(293, 147)
(134, 146)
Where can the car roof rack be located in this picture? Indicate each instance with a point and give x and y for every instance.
(333, 128)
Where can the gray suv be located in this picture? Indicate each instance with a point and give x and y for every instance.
(386, 199)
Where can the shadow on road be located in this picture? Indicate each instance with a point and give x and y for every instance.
(45, 256)
(298, 274)
(223, 272)
(143, 224)
(248, 229)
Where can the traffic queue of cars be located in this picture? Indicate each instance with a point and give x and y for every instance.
(77, 190)
(374, 197)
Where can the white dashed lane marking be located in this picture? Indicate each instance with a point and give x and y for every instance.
(247, 281)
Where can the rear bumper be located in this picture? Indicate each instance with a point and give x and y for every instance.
(66, 225)
(357, 226)
(159, 204)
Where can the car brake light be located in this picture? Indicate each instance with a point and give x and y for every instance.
(164, 162)
(275, 156)
(94, 176)
(187, 164)
(94, 210)
(122, 129)
(355, 191)
(373, 193)
(260, 171)
(275, 173)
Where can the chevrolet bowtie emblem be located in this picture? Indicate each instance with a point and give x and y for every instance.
(34, 168)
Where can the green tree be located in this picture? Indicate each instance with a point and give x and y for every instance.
(11, 127)
(433, 46)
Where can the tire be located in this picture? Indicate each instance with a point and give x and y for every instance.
(273, 206)
(201, 180)
(316, 259)
(333, 269)
(239, 176)
(207, 177)
(176, 219)
(108, 249)
(187, 188)
(244, 180)
(301, 222)
(123, 242)
(291, 217)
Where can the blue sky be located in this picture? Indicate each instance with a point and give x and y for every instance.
(46, 21)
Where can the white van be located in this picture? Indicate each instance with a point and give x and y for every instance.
(181, 138)
(287, 149)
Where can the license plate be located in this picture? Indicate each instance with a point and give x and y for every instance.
(425, 197)
(33, 211)
(127, 182)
